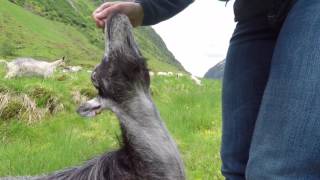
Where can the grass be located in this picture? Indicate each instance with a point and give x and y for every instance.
(192, 114)
(50, 30)
(47, 30)
(53, 39)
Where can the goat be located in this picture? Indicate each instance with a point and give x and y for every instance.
(162, 74)
(151, 73)
(179, 75)
(123, 82)
(196, 80)
(72, 69)
(31, 67)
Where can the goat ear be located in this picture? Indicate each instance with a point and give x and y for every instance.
(106, 40)
(119, 36)
(105, 58)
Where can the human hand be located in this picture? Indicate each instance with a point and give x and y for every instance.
(133, 10)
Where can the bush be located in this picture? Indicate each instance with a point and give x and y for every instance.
(7, 49)
(12, 110)
(19, 107)
(83, 95)
(4, 89)
(88, 92)
(46, 98)
(62, 78)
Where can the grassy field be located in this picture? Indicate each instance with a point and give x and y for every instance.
(62, 139)
(49, 30)
(39, 129)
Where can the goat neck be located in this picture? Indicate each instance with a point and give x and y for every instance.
(123, 82)
(57, 63)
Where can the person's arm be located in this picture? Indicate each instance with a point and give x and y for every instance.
(140, 12)
(156, 11)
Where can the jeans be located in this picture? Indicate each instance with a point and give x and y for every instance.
(271, 98)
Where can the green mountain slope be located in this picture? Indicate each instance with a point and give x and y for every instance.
(52, 29)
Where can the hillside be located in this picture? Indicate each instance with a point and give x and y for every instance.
(52, 29)
(216, 72)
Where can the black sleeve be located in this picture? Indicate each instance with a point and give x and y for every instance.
(156, 11)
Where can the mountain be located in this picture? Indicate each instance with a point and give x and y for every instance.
(216, 72)
(54, 28)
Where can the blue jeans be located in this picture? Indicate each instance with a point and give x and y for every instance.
(271, 98)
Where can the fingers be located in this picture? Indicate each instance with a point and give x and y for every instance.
(102, 16)
(99, 23)
(103, 12)
(103, 6)
(133, 10)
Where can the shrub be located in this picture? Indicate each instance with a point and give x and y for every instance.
(19, 107)
(12, 109)
(62, 78)
(46, 98)
(88, 92)
(7, 49)
(3, 89)
(78, 98)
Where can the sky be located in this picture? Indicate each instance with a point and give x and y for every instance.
(199, 36)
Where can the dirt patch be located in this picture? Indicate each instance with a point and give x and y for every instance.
(62, 78)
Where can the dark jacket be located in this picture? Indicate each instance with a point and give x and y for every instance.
(158, 10)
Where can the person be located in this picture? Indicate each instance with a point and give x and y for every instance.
(271, 85)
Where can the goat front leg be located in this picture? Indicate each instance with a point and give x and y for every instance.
(10, 75)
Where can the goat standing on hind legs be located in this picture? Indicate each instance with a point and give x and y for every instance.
(122, 79)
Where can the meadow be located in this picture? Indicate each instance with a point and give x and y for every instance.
(58, 30)
(41, 132)
(61, 138)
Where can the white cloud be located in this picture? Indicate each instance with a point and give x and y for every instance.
(199, 36)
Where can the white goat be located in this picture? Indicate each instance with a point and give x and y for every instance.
(162, 74)
(179, 75)
(196, 80)
(72, 69)
(165, 73)
(31, 67)
(151, 73)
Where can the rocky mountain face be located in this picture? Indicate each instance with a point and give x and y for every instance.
(216, 72)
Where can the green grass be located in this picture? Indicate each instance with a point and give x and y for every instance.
(51, 29)
(38, 37)
(192, 114)
(47, 30)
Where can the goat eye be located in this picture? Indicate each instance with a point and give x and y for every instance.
(93, 76)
